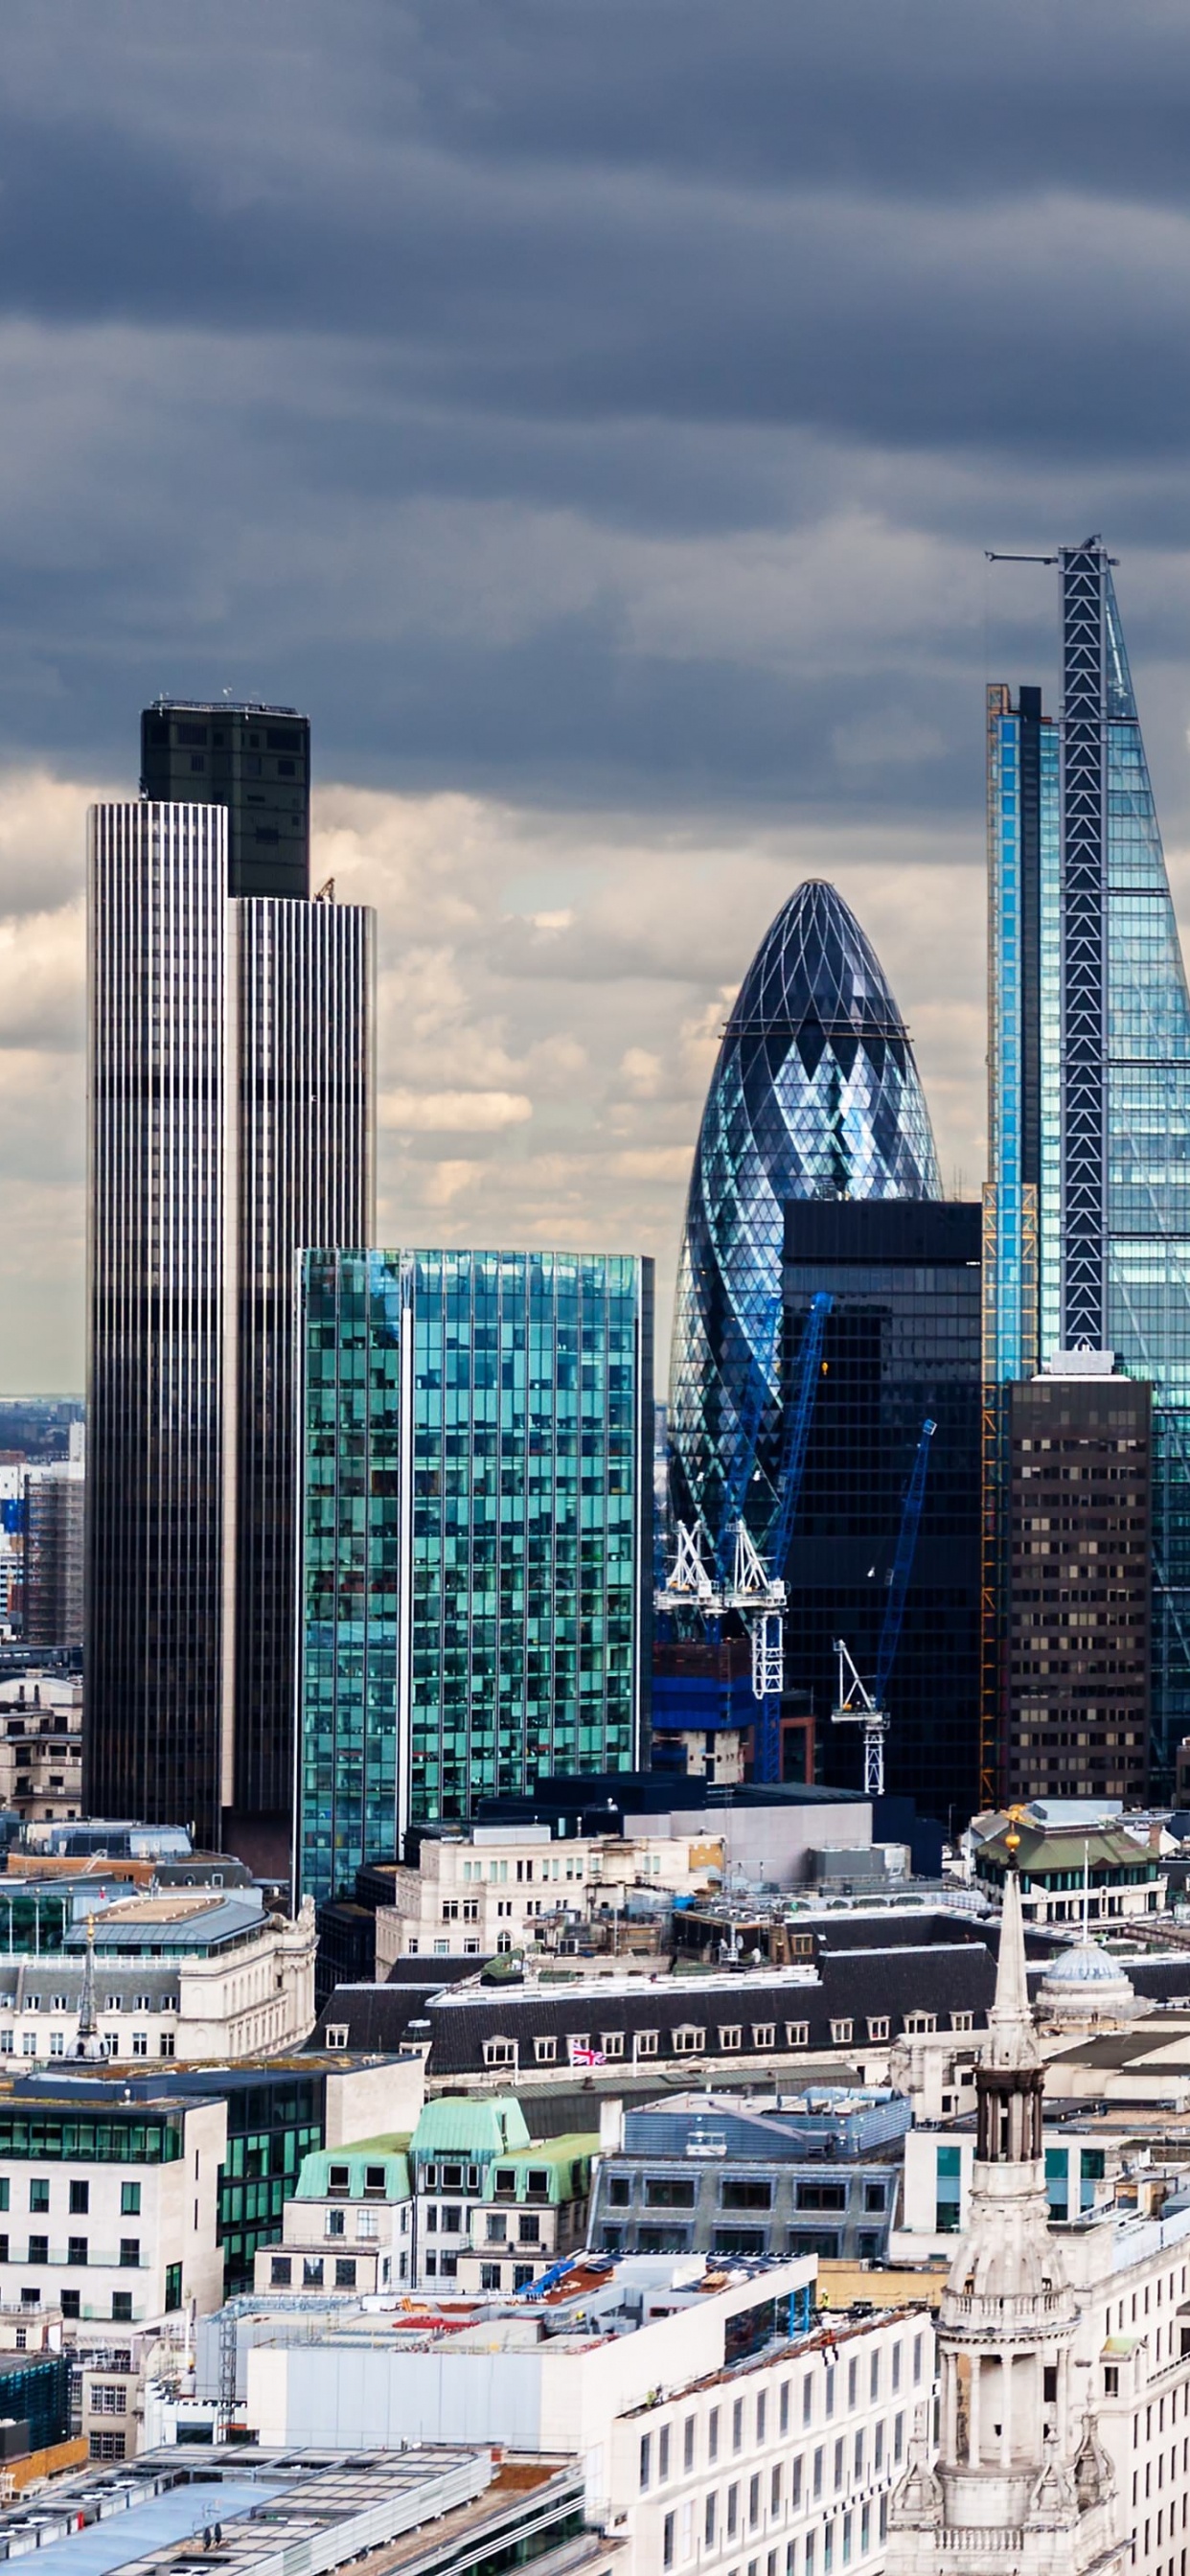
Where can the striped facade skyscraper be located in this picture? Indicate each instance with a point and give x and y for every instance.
(230, 1118)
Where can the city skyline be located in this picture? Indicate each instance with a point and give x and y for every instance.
(564, 455)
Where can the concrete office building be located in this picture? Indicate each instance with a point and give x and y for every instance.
(714, 2173)
(1077, 1582)
(230, 1121)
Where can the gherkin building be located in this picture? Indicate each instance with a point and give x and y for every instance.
(815, 1095)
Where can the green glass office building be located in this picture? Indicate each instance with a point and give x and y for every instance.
(476, 1536)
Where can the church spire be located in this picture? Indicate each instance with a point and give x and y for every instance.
(1012, 2041)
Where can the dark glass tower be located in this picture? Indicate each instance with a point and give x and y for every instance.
(815, 1096)
(252, 760)
(902, 1343)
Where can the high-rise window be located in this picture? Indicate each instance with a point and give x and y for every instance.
(477, 1494)
(230, 1107)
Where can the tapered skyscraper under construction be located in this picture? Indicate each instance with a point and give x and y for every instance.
(1087, 1211)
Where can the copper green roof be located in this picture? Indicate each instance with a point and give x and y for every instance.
(314, 2177)
(455, 2125)
(1106, 1847)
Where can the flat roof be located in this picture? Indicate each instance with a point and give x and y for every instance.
(316, 2509)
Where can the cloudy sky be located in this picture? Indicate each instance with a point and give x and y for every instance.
(594, 412)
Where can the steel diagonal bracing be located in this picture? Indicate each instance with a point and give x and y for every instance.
(1084, 1079)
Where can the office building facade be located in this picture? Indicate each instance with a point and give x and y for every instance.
(230, 1120)
(254, 762)
(52, 1609)
(1087, 1211)
(1078, 1551)
(815, 1095)
(476, 1532)
(902, 1345)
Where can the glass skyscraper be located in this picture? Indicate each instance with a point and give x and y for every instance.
(1087, 1211)
(815, 1096)
(477, 1561)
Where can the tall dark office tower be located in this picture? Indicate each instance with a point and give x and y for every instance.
(902, 1343)
(252, 760)
(230, 1123)
(1087, 1211)
(1077, 1540)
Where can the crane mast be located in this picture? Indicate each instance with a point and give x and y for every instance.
(740, 1578)
(857, 1704)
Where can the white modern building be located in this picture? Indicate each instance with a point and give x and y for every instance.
(713, 2425)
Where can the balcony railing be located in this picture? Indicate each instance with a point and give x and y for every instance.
(965, 2306)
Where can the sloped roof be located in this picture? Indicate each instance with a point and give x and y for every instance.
(456, 2124)
(1105, 1846)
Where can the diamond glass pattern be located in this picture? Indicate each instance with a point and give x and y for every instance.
(815, 1095)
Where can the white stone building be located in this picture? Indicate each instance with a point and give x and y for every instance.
(190, 1974)
(1064, 2347)
(505, 1887)
(41, 1746)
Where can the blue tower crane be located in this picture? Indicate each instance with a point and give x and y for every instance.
(768, 1635)
(857, 1705)
(756, 1388)
(741, 1579)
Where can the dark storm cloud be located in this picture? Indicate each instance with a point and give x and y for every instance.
(595, 412)
(444, 360)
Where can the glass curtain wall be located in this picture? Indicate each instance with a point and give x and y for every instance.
(815, 1096)
(477, 1558)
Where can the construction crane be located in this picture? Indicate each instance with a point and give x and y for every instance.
(768, 1627)
(741, 1578)
(743, 1464)
(857, 1705)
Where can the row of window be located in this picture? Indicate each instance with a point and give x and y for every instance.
(70, 2300)
(314, 2274)
(736, 2428)
(76, 2254)
(79, 2195)
(33, 2043)
(740, 2240)
(678, 2543)
(690, 2038)
(681, 2191)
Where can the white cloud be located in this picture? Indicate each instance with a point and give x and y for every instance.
(454, 1113)
(537, 1085)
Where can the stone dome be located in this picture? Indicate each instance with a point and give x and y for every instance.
(1085, 1987)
